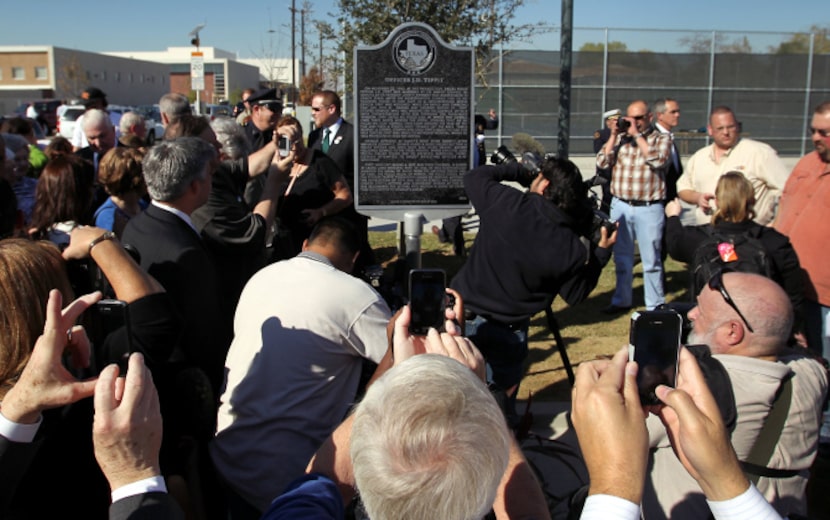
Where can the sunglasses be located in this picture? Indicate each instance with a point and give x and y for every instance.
(716, 284)
(639, 118)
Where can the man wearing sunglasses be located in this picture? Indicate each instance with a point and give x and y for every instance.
(745, 319)
(802, 216)
(638, 156)
(758, 161)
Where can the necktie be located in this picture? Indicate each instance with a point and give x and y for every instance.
(326, 135)
(675, 157)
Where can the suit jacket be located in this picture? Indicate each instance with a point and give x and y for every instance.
(173, 253)
(341, 148)
(147, 506)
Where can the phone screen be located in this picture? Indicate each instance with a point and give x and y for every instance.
(655, 338)
(284, 146)
(427, 299)
(113, 333)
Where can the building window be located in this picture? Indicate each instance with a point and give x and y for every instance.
(18, 73)
(41, 73)
(117, 77)
(131, 77)
(104, 76)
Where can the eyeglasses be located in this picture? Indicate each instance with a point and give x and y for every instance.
(317, 109)
(639, 118)
(819, 131)
(716, 284)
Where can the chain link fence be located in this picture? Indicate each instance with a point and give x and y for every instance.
(771, 80)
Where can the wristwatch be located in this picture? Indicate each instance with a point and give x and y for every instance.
(107, 235)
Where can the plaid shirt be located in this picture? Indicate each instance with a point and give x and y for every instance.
(635, 176)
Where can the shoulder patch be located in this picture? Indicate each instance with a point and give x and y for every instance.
(596, 134)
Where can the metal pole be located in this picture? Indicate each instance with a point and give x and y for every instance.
(711, 81)
(302, 43)
(413, 227)
(807, 92)
(293, 53)
(565, 56)
(604, 79)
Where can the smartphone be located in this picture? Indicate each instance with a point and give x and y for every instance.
(113, 333)
(284, 146)
(654, 344)
(427, 299)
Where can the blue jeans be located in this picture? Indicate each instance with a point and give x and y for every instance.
(503, 346)
(817, 332)
(645, 225)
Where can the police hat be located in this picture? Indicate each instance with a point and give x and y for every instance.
(264, 96)
(612, 113)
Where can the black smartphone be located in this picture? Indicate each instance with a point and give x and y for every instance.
(654, 344)
(427, 299)
(113, 333)
(284, 146)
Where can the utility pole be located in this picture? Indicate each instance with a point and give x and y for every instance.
(566, 56)
(302, 42)
(293, 96)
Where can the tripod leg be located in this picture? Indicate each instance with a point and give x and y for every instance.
(553, 326)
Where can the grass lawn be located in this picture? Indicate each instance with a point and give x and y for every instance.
(587, 332)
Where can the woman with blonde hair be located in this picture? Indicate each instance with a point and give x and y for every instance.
(734, 211)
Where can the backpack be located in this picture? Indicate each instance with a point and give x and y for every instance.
(741, 252)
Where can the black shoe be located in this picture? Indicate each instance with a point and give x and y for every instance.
(615, 309)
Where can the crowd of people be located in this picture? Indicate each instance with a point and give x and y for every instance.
(186, 335)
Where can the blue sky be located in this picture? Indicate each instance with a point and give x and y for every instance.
(242, 27)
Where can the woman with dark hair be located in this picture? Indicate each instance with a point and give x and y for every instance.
(316, 189)
(58, 146)
(119, 172)
(63, 199)
(734, 211)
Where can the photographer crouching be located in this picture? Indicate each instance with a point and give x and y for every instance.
(530, 247)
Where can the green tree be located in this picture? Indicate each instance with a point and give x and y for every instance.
(799, 43)
(600, 47)
(483, 25)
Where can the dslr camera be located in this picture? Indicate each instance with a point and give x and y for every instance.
(623, 125)
(531, 163)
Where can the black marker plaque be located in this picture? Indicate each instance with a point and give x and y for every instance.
(413, 107)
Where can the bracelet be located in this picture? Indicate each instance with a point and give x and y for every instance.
(639, 135)
(107, 235)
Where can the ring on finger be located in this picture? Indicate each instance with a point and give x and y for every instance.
(69, 335)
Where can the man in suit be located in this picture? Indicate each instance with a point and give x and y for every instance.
(100, 134)
(667, 116)
(178, 174)
(334, 136)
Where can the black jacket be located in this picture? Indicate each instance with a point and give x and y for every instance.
(526, 252)
(682, 242)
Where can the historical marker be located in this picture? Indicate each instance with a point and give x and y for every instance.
(414, 124)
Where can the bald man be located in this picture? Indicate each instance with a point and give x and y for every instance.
(748, 337)
(637, 157)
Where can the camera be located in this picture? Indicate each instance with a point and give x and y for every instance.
(600, 220)
(623, 125)
(531, 163)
